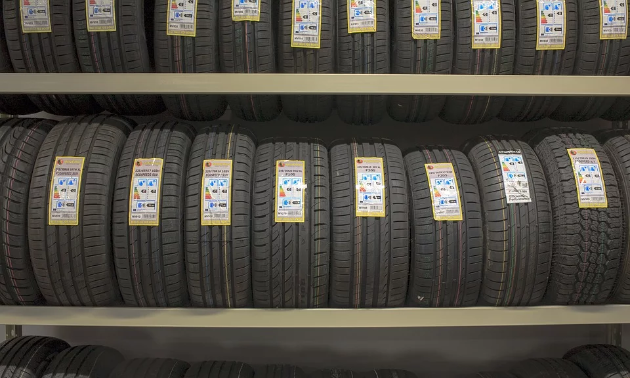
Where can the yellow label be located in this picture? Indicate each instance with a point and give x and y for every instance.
(306, 24)
(245, 10)
(100, 15)
(613, 19)
(486, 22)
(551, 25)
(290, 187)
(181, 18)
(65, 191)
(370, 187)
(426, 20)
(145, 191)
(35, 16)
(445, 197)
(216, 193)
(361, 16)
(589, 180)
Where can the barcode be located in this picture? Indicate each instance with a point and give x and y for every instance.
(301, 38)
(103, 22)
(249, 12)
(361, 24)
(183, 26)
(290, 213)
(596, 200)
(428, 30)
(218, 216)
(64, 216)
(37, 23)
(618, 29)
(490, 39)
(375, 208)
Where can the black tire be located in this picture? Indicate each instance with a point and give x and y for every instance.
(517, 236)
(28, 356)
(86, 361)
(334, 373)
(547, 368)
(176, 54)
(20, 140)
(150, 260)
(237, 56)
(363, 53)
(53, 52)
(220, 369)
(494, 374)
(307, 108)
(479, 109)
(290, 260)
(281, 371)
(150, 368)
(129, 49)
(388, 373)
(417, 56)
(619, 110)
(218, 258)
(73, 264)
(601, 360)
(529, 61)
(446, 256)
(586, 242)
(369, 256)
(594, 57)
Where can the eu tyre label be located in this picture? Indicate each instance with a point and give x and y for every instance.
(290, 187)
(144, 199)
(100, 15)
(613, 19)
(515, 181)
(369, 187)
(216, 193)
(35, 16)
(445, 197)
(426, 19)
(65, 191)
(589, 182)
(245, 10)
(182, 18)
(486, 21)
(306, 24)
(361, 16)
(551, 24)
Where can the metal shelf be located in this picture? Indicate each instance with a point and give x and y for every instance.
(314, 84)
(314, 318)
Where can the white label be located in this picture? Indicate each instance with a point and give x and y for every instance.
(245, 10)
(290, 186)
(306, 23)
(101, 15)
(144, 201)
(551, 21)
(426, 19)
(515, 180)
(370, 187)
(361, 16)
(486, 17)
(444, 192)
(35, 16)
(65, 189)
(589, 181)
(614, 19)
(182, 18)
(216, 202)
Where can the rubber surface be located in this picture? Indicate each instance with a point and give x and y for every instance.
(150, 260)
(28, 356)
(363, 53)
(129, 49)
(20, 140)
(73, 264)
(334, 373)
(594, 57)
(419, 56)
(280, 371)
(218, 258)
(176, 54)
(290, 260)
(494, 374)
(517, 236)
(248, 47)
(619, 110)
(150, 368)
(388, 373)
(47, 53)
(85, 361)
(211, 369)
(307, 108)
(601, 360)
(467, 61)
(369, 255)
(586, 242)
(529, 61)
(446, 256)
(547, 368)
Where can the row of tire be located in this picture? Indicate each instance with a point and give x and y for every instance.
(48, 357)
(222, 45)
(545, 250)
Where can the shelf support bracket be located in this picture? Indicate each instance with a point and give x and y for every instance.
(613, 336)
(12, 331)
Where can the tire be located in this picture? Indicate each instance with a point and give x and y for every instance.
(517, 236)
(594, 57)
(587, 241)
(479, 109)
(209, 369)
(619, 111)
(28, 355)
(237, 56)
(290, 260)
(129, 49)
(73, 264)
(176, 54)
(307, 108)
(388, 373)
(494, 374)
(86, 361)
(150, 260)
(369, 256)
(218, 258)
(547, 368)
(334, 373)
(415, 56)
(150, 368)
(20, 140)
(446, 256)
(600, 360)
(363, 53)
(53, 52)
(281, 371)
(529, 61)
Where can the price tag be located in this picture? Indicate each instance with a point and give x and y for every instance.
(444, 192)
(35, 16)
(182, 18)
(551, 25)
(370, 187)
(307, 24)
(486, 20)
(614, 19)
(65, 191)
(361, 16)
(216, 201)
(589, 180)
(426, 20)
(290, 186)
(515, 181)
(144, 199)
(245, 10)
(101, 15)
